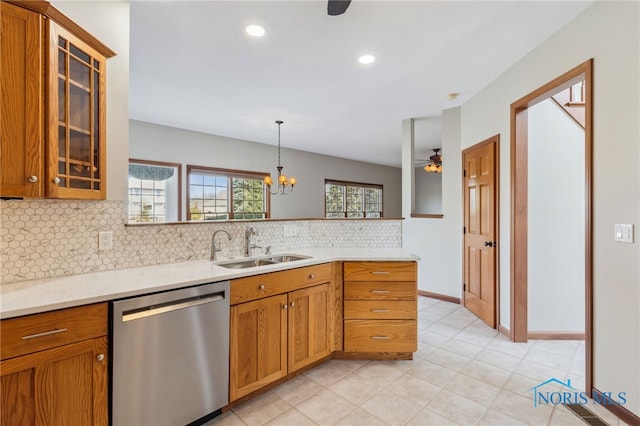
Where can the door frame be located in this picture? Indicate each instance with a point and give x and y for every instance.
(519, 208)
(496, 192)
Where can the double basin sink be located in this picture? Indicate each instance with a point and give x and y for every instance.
(252, 263)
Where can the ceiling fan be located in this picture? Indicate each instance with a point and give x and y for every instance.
(337, 7)
(434, 163)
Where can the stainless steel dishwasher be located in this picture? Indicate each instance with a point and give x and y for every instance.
(170, 363)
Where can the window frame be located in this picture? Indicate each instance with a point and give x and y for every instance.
(228, 173)
(177, 166)
(362, 185)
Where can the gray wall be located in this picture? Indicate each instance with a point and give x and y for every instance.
(150, 141)
(428, 192)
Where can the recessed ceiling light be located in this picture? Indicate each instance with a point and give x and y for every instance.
(367, 59)
(255, 30)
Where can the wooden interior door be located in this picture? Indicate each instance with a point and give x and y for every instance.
(480, 230)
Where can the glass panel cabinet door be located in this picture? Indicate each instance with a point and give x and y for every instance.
(76, 166)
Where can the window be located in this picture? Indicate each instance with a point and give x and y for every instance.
(352, 199)
(153, 191)
(220, 194)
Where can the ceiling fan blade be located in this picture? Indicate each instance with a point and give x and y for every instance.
(337, 7)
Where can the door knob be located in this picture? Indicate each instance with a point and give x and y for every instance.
(488, 244)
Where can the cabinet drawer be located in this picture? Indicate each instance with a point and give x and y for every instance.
(371, 290)
(382, 309)
(259, 286)
(33, 333)
(380, 336)
(380, 271)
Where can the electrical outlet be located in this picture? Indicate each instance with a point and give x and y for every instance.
(105, 240)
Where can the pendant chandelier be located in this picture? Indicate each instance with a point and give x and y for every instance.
(285, 185)
(435, 163)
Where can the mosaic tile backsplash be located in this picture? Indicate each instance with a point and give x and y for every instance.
(51, 238)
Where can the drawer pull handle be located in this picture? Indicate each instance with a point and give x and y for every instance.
(380, 272)
(46, 333)
(380, 311)
(311, 276)
(380, 337)
(380, 291)
(261, 287)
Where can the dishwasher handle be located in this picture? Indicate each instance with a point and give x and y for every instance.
(174, 305)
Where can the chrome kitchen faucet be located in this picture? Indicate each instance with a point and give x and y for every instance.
(212, 256)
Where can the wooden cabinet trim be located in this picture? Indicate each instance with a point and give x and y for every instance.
(46, 9)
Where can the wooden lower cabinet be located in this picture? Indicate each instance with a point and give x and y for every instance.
(258, 344)
(57, 384)
(380, 307)
(277, 335)
(308, 331)
(284, 321)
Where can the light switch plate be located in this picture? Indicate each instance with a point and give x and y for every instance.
(623, 232)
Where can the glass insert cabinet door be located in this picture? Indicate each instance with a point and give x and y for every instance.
(77, 116)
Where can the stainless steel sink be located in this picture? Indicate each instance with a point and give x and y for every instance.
(241, 264)
(288, 258)
(252, 263)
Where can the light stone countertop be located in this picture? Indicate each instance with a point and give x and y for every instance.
(47, 294)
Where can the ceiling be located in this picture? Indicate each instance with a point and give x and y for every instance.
(194, 67)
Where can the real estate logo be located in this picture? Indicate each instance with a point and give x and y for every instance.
(547, 393)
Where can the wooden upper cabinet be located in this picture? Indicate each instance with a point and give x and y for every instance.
(54, 105)
(22, 91)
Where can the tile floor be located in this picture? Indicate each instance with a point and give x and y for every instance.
(464, 373)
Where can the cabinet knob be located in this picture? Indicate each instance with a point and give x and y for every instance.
(311, 276)
(56, 180)
(285, 307)
(261, 286)
(33, 179)
(100, 357)
(292, 304)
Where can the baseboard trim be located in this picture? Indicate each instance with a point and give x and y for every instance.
(554, 335)
(439, 296)
(619, 411)
(504, 330)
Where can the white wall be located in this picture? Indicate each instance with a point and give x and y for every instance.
(437, 241)
(427, 192)
(609, 33)
(161, 143)
(556, 220)
(108, 21)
